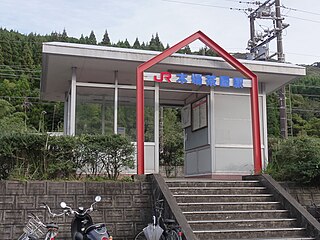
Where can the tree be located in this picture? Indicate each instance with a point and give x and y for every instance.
(126, 44)
(136, 44)
(1, 56)
(26, 59)
(64, 36)
(158, 43)
(171, 154)
(82, 39)
(106, 39)
(7, 52)
(92, 39)
(11, 121)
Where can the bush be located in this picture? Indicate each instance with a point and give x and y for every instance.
(40, 156)
(296, 159)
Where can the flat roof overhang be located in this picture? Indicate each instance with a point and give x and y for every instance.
(98, 63)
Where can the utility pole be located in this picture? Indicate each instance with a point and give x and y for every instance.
(282, 91)
(259, 47)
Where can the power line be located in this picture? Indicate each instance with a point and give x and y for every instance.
(205, 5)
(299, 10)
(304, 19)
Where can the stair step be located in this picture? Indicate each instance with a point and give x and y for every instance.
(278, 233)
(242, 224)
(224, 198)
(218, 190)
(210, 183)
(247, 214)
(229, 206)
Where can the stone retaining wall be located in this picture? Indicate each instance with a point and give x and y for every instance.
(306, 196)
(125, 207)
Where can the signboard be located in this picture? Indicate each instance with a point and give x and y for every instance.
(199, 114)
(200, 79)
(186, 116)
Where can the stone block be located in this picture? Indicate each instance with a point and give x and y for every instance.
(98, 215)
(316, 198)
(25, 202)
(75, 188)
(84, 200)
(2, 188)
(146, 188)
(142, 201)
(7, 202)
(125, 229)
(95, 188)
(305, 199)
(56, 188)
(13, 217)
(17, 231)
(36, 188)
(123, 201)
(113, 188)
(132, 188)
(113, 215)
(6, 232)
(50, 200)
(133, 214)
(70, 200)
(15, 188)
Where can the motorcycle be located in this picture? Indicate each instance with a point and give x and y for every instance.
(82, 227)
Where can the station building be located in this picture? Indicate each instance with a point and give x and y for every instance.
(98, 87)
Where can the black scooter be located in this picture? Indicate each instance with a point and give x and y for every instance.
(82, 227)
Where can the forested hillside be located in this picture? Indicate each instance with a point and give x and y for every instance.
(22, 110)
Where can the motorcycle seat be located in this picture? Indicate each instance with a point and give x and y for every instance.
(94, 226)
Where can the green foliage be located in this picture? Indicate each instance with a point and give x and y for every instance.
(106, 40)
(40, 156)
(136, 44)
(92, 39)
(273, 116)
(171, 154)
(296, 159)
(11, 121)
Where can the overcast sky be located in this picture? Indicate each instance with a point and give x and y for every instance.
(173, 20)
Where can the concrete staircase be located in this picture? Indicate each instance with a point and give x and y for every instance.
(233, 210)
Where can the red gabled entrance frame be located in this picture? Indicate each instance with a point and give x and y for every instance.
(228, 58)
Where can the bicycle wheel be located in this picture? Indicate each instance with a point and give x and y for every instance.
(172, 235)
(140, 236)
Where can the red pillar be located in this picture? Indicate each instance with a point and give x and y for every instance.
(256, 126)
(140, 122)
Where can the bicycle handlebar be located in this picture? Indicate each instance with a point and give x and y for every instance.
(88, 210)
(44, 205)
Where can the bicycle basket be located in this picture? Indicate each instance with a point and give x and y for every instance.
(35, 227)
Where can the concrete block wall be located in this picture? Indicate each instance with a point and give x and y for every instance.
(125, 206)
(306, 196)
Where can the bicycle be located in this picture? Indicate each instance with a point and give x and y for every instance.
(36, 229)
(160, 229)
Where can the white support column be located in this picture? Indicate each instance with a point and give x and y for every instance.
(103, 115)
(73, 95)
(211, 130)
(69, 111)
(66, 116)
(156, 127)
(116, 93)
(264, 126)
